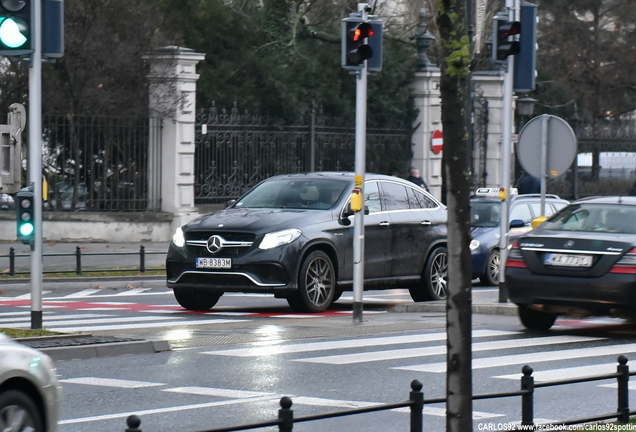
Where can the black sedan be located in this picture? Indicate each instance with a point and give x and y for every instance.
(580, 262)
(292, 236)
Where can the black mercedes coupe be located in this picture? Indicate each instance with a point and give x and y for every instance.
(292, 236)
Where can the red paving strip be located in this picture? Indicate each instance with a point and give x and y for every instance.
(141, 307)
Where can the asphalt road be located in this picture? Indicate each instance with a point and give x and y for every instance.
(232, 365)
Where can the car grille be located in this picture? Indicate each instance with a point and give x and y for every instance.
(229, 244)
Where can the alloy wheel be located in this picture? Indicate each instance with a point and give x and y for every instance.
(319, 281)
(439, 275)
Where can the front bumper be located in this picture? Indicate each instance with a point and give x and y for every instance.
(267, 271)
(610, 294)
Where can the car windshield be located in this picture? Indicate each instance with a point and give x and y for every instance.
(315, 194)
(610, 218)
(485, 214)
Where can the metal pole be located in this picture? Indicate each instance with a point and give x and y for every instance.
(35, 164)
(360, 162)
(506, 150)
(544, 158)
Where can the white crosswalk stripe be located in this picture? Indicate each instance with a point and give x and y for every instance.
(366, 357)
(530, 358)
(274, 348)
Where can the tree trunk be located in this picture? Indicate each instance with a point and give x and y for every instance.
(451, 21)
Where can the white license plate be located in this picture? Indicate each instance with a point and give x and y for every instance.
(214, 263)
(568, 260)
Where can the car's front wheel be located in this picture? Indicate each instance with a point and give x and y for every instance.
(493, 266)
(19, 413)
(433, 285)
(316, 284)
(194, 299)
(533, 319)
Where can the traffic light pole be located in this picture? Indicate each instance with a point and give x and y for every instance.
(506, 160)
(360, 162)
(35, 164)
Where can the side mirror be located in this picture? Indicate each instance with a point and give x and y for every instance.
(366, 210)
(348, 212)
(229, 203)
(517, 223)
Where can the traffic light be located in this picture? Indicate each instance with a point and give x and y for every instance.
(25, 216)
(503, 44)
(16, 27)
(525, 70)
(375, 42)
(355, 50)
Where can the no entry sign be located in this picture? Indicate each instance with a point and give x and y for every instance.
(437, 141)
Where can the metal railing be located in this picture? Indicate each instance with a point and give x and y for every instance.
(416, 402)
(78, 254)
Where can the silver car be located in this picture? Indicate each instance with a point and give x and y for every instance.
(29, 390)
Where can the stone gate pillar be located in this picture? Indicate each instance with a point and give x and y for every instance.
(172, 80)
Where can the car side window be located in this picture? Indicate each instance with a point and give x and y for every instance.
(521, 211)
(414, 203)
(394, 196)
(425, 201)
(536, 209)
(372, 197)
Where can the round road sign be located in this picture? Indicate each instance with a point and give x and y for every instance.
(561, 147)
(437, 141)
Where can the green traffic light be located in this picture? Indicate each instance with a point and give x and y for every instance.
(26, 229)
(11, 33)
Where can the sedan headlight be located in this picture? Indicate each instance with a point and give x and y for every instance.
(474, 244)
(178, 239)
(278, 238)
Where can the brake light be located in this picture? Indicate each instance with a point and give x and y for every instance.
(515, 259)
(627, 264)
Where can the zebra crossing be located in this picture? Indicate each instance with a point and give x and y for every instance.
(491, 351)
(97, 311)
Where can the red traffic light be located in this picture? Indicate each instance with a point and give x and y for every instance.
(361, 32)
(510, 28)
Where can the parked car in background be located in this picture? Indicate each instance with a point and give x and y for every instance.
(580, 262)
(292, 235)
(29, 390)
(485, 216)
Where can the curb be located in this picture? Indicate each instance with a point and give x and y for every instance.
(106, 350)
(508, 309)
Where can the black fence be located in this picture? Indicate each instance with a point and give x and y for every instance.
(235, 151)
(96, 163)
(78, 254)
(416, 403)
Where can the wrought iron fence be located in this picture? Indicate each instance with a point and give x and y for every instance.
(96, 163)
(235, 151)
(416, 403)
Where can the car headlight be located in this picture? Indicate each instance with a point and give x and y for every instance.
(178, 239)
(474, 244)
(278, 238)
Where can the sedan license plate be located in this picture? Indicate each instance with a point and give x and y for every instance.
(214, 263)
(568, 260)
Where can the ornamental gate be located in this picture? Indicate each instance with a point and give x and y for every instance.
(235, 151)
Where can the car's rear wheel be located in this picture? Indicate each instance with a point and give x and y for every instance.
(19, 413)
(316, 284)
(533, 319)
(433, 285)
(194, 299)
(493, 266)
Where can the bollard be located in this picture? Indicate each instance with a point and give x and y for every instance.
(623, 390)
(11, 261)
(133, 423)
(285, 415)
(142, 259)
(78, 260)
(416, 396)
(527, 404)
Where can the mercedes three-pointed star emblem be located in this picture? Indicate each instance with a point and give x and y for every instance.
(215, 244)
